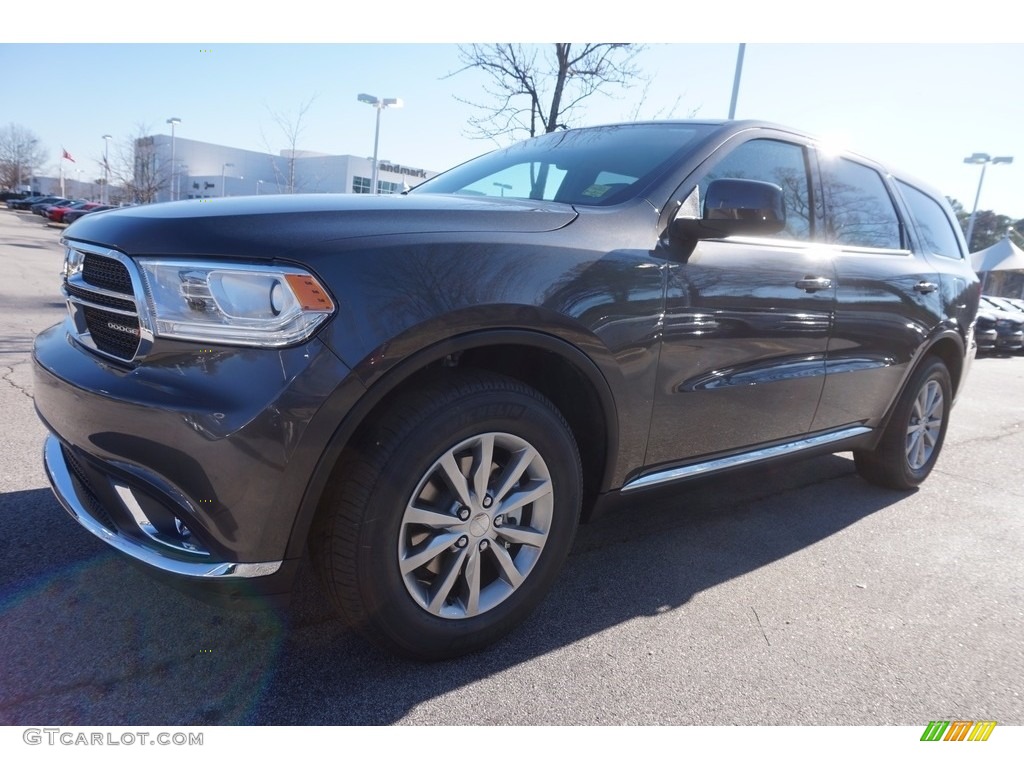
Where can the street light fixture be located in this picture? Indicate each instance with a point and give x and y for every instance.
(380, 105)
(980, 158)
(106, 167)
(173, 121)
(223, 177)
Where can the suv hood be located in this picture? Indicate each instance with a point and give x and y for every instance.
(270, 226)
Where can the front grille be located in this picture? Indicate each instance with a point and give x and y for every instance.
(115, 334)
(106, 273)
(101, 299)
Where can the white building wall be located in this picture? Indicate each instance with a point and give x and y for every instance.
(202, 171)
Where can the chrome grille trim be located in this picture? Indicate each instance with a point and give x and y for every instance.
(74, 294)
(81, 295)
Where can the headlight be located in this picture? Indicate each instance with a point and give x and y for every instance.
(233, 303)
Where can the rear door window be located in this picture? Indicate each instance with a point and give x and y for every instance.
(859, 211)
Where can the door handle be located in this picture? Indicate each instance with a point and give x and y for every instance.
(925, 287)
(813, 284)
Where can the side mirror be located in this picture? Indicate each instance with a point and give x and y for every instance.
(734, 207)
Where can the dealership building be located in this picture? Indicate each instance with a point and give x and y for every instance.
(201, 170)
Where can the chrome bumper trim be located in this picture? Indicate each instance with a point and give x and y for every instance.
(729, 462)
(64, 489)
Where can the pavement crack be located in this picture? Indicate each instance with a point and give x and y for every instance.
(1010, 431)
(760, 626)
(7, 377)
(975, 480)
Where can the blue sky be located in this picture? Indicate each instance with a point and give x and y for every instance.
(919, 106)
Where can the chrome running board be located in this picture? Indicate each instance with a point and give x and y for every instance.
(739, 460)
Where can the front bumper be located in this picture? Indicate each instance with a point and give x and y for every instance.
(194, 464)
(1010, 342)
(71, 489)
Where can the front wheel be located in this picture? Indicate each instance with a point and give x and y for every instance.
(913, 438)
(449, 521)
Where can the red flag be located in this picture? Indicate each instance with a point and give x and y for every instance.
(67, 155)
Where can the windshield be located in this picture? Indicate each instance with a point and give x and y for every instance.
(589, 166)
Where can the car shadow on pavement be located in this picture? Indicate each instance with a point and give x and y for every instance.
(88, 639)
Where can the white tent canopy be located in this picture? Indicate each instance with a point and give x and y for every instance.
(1002, 256)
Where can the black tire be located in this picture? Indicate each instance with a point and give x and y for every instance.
(396, 500)
(913, 438)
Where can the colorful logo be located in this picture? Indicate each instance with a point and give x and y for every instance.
(958, 730)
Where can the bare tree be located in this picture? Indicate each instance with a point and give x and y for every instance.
(641, 109)
(138, 168)
(538, 89)
(291, 127)
(20, 155)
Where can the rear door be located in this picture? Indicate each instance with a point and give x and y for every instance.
(888, 299)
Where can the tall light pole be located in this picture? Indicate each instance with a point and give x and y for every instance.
(980, 158)
(259, 185)
(106, 167)
(736, 81)
(223, 178)
(173, 121)
(380, 105)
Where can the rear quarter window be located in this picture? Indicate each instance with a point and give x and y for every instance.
(933, 223)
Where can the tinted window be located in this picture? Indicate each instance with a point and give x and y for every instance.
(935, 226)
(590, 166)
(780, 163)
(860, 211)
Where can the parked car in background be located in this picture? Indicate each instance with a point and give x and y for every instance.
(43, 209)
(1017, 304)
(6, 197)
(985, 333)
(26, 203)
(430, 390)
(1009, 324)
(77, 213)
(1007, 304)
(56, 213)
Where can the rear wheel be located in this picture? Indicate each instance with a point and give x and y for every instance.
(449, 521)
(913, 438)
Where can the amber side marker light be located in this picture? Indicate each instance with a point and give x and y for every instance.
(309, 293)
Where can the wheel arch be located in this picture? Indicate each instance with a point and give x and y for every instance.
(557, 369)
(947, 347)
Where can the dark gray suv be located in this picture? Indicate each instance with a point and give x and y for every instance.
(429, 392)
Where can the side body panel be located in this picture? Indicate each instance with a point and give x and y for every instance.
(743, 357)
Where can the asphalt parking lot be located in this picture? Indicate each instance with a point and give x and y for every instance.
(798, 596)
